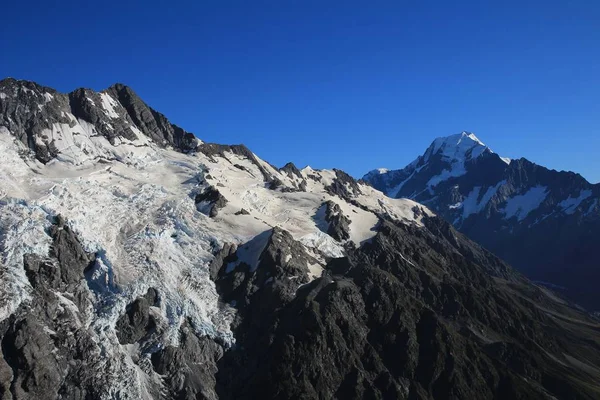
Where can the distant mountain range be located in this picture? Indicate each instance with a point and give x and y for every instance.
(544, 222)
(139, 262)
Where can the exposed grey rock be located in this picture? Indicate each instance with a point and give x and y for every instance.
(343, 186)
(152, 123)
(210, 201)
(189, 369)
(291, 170)
(137, 322)
(47, 352)
(415, 313)
(29, 111)
(338, 224)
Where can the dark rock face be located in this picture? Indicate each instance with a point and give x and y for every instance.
(281, 267)
(416, 313)
(154, 124)
(47, 352)
(137, 322)
(210, 201)
(291, 170)
(541, 221)
(29, 111)
(190, 368)
(343, 186)
(338, 224)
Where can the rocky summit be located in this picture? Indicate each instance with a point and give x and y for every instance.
(138, 262)
(544, 222)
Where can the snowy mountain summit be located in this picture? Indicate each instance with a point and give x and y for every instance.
(446, 157)
(535, 218)
(139, 262)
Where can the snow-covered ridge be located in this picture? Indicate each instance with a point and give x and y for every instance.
(132, 203)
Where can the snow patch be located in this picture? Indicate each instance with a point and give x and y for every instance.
(250, 252)
(521, 205)
(22, 231)
(324, 243)
(109, 104)
(569, 206)
(472, 204)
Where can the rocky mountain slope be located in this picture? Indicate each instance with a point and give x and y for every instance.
(544, 222)
(140, 262)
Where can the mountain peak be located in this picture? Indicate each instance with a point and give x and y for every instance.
(461, 146)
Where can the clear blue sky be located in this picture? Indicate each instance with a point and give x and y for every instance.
(348, 84)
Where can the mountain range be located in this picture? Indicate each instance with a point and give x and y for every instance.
(544, 222)
(139, 262)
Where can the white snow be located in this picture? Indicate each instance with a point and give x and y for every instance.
(472, 204)
(323, 243)
(136, 211)
(109, 104)
(48, 97)
(250, 252)
(569, 205)
(521, 205)
(22, 231)
(456, 150)
(458, 147)
(457, 169)
(82, 145)
(3, 96)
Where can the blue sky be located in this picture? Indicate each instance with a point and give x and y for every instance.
(352, 85)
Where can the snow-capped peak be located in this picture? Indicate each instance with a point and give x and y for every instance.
(459, 147)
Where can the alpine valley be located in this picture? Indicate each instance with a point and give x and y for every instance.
(543, 222)
(139, 262)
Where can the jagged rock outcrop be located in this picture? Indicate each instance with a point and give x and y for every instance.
(189, 369)
(47, 350)
(343, 185)
(137, 321)
(209, 201)
(152, 123)
(413, 314)
(48, 122)
(337, 224)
